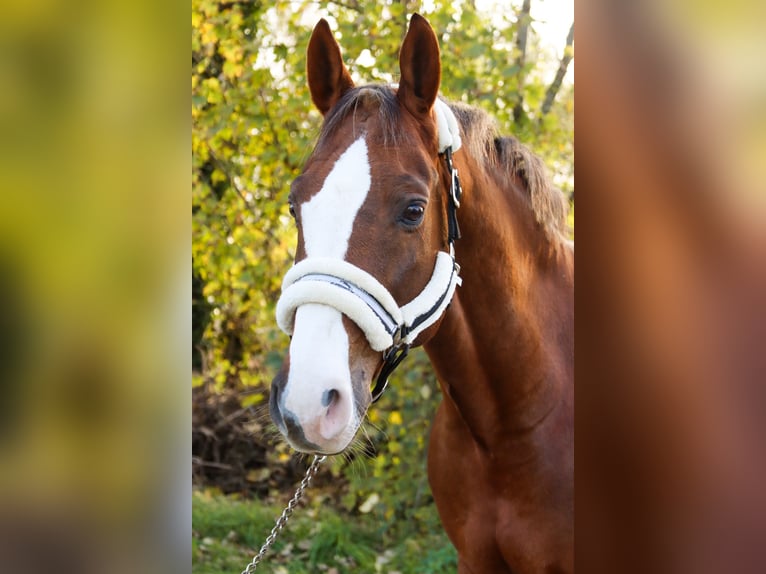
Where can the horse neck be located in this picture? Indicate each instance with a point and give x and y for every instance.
(504, 351)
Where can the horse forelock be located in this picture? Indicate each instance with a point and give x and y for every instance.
(361, 101)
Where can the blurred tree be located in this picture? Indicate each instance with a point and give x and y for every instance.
(253, 126)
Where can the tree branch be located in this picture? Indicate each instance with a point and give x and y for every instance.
(521, 45)
(553, 89)
(350, 5)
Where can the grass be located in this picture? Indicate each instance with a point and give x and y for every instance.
(227, 532)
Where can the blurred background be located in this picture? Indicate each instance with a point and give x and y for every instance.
(94, 291)
(253, 127)
(671, 297)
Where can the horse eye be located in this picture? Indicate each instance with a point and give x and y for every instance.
(413, 214)
(291, 206)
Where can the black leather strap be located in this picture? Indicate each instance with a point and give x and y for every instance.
(391, 360)
(454, 195)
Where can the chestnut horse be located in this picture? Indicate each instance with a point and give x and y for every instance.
(382, 264)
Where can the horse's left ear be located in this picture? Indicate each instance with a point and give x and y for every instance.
(420, 67)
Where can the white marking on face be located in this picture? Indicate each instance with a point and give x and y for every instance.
(319, 347)
(319, 364)
(328, 218)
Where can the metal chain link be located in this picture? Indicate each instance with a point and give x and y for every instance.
(286, 513)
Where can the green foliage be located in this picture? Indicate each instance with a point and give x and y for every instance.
(399, 425)
(253, 126)
(227, 533)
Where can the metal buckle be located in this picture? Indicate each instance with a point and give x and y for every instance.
(455, 190)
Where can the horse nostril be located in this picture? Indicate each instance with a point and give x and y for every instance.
(330, 397)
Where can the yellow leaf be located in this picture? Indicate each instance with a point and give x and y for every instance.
(252, 400)
(395, 418)
(369, 504)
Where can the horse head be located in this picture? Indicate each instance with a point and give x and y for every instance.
(373, 271)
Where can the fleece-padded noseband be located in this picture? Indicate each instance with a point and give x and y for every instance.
(361, 297)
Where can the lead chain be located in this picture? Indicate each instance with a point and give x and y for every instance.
(286, 513)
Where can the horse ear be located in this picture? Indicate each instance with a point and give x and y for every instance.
(328, 77)
(420, 67)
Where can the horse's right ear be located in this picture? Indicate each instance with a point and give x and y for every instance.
(328, 77)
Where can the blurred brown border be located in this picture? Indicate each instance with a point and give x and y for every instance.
(671, 313)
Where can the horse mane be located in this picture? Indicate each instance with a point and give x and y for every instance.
(508, 157)
(504, 156)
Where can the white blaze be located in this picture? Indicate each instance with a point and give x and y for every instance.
(319, 347)
(328, 218)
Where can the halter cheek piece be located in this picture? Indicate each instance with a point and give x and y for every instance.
(358, 295)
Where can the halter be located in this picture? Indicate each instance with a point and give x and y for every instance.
(358, 295)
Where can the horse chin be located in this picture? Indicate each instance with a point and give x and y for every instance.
(333, 446)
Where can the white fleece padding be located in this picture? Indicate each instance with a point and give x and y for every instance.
(296, 292)
(304, 292)
(446, 122)
(443, 280)
(347, 271)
